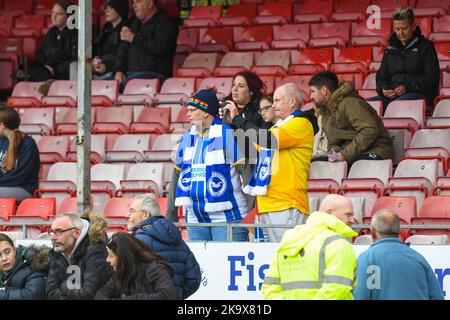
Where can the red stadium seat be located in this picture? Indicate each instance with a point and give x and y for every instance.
(7, 77)
(129, 148)
(223, 85)
(388, 6)
(6, 25)
(331, 34)
(233, 62)
(143, 178)
(187, 40)
(104, 92)
(7, 208)
(363, 36)
(273, 62)
(163, 147)
(239, 14)
(61, 93)
(152, 120)
(216, 40)
(428, 8)
(198, 64)
(53, 148)
(314, 11)
(203, 16)
(116, 209)
(98, 148)
(39, 208)
(112, 120)
(323, 56)
(66, 120)
(255, 38)
(38, 120)
(300, 81)
(25, 94)
(305, 69)
(269, 81)
(275, 13)
(291, 36)
(33, 22)
(139, 92)
(18, 7)
(350, 10)
(175, 90)
(434, 211)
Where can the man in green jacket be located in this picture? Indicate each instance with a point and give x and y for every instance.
(353, 128)
(315, 261)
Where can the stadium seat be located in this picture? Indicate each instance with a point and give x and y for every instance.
(203, 16)
(112, 120)
(325, 178)
(7, 208)
(405, 207)
(350, 10)
(18, 8)
(223, 85)
(300, 81)
(427, 8)
(53, 148)
(68, 205)
(255, 38)
(129, 148)
(61, 93)
(402, 108)
(314, 11)
(66, 120)
(291, 36)
(181, 123)
(98, 148)
(187, 40)
(162, 148)
(305, 69)
(428, 240)
(352, 62)
(425, 25)
(239, 14)
(152, 120)
(414, 178)
(6, 25)
(442, 187)
(330, 34)
(143, 178)
(233, 62)
(434, 211)
(139, 92)
(323, 56)
(7, 77)
(366, 180)
(116, 209)
(388, 6)
(37, 120)
(441, 116)
(104, 92)
(216, 40)
(430, 144)
(24, 95)
(30, 22)
(105, 180)
(269, 81)
(198, 64)
(175, 90)
(275, 13)
(363, 36)
(272, 62)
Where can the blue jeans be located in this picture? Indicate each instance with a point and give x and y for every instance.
(216, 234)
(406, 96)
(140, 75)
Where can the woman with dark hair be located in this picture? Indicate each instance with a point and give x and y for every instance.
(59, 47)
(139, 272)
(23, 271)
(19, 158)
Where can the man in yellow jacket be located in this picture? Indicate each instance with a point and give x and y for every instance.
(315, 261)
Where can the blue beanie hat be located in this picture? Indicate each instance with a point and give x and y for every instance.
(205, 100)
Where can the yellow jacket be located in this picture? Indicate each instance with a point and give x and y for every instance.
(314, 262)
(290, 167)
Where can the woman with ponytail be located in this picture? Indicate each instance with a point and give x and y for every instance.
(19, 158)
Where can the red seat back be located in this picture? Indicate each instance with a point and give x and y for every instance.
(37, 207)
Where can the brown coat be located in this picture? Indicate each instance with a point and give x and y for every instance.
(353, 127)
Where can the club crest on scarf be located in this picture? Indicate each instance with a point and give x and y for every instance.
(217, 184)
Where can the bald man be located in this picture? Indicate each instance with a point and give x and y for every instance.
(315, 261)
(390, 269)
(286, 198)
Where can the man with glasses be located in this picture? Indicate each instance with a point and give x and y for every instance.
(78, 267)
(162, 236)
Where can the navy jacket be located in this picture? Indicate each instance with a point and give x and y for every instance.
(391, 270)
(26, 281)
(25, 173)
(163, 237)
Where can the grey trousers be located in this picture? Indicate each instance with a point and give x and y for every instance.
(15, 192)
(291, 216)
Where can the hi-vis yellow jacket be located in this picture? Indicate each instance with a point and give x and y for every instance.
(314, 261)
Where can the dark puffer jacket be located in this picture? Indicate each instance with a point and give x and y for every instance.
(86, 271)
(58, 50)
(415, 65)
(26, 281)
(352, 126)
(152, 283)
(163, 237)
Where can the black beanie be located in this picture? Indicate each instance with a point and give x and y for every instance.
(205, 100)
(121, 6)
